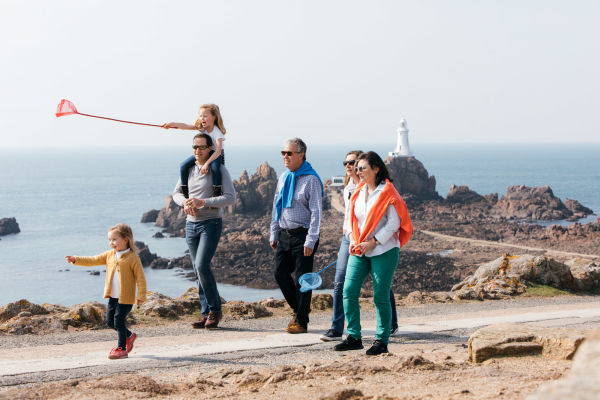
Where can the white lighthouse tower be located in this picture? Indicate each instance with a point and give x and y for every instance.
(402, 148)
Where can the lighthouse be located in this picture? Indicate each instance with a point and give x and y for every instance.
(402, 147)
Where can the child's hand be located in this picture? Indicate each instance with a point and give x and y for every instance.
(70, 259)
(204, 169)
(169, 125)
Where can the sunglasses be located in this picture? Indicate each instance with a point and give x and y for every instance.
(287, 153)
(199, 147)
(351, 162)
(359, 169)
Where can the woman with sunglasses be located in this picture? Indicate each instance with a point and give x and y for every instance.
(380, 225)
(337, 318)
(204, 225)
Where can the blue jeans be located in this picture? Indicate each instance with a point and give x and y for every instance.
(337, 318)
(202, 238)
(215, 168)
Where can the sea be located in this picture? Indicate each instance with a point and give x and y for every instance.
(64, 199)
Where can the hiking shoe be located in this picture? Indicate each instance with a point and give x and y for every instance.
(200, 323)
(217, 190)
(350, 343)
(117, 352)
(292, 322)
(377, 348)
(213, 320)
(295, 328)
(129, 342)
(331, 336)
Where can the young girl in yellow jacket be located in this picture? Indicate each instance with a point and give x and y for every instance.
(123, 272)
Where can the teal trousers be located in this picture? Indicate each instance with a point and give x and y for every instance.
(382, 268)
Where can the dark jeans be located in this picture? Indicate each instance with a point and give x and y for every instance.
(337, 318)
(215, 168)
(115, 318)
(290, 259)
(202, 239)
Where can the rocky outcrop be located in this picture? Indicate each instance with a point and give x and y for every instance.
(23, 317)
(146, 257)
(462, 194)
(150, 216)
(582, 382)
(8, 226)
(513, 339)
(411, 179)
(254, 194)
(537, 203)
(171, 218)
(508, 276)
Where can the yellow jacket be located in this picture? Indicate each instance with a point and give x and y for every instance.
(130, 273)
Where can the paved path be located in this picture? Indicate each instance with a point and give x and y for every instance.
(480, 242)
(149, 350)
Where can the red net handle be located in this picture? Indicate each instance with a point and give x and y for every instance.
(65, 107)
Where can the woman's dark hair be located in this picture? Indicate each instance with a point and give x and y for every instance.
(376, 162)
(209, 141)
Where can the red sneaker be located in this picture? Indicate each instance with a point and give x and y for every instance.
(129, 342)
(117, 352)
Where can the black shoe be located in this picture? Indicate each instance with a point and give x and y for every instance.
(377, 348)
(350, 343)
(184, 190)
(217, 190)
(394, 331)
(331, 336)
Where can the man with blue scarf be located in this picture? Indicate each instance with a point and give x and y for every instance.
(295, 226)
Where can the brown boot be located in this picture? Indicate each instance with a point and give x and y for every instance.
(199, 324)
(296, 328)
(213, 320)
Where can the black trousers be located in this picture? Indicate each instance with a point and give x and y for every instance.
(115, 318)
(290, 264)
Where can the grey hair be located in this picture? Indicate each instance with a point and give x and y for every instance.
(300, 145)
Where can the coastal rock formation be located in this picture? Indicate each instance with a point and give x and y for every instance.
(23, 317)
(583, 381)
(9, 226)
(171, 218)
(508, 276)
(462, 194)
(514, 339)
(254, 194)
(537, 203)
(411, 179)
(150, 216)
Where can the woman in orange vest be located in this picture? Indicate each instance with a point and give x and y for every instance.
(380, 225)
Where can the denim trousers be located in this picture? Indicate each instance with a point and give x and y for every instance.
(290, 259)
(382, 268)
(115, 318)
(337, 318)
(202, 239)
(215, 168)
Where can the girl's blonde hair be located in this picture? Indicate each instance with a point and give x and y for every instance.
(214, 110)
(356, 153)
(126, 233)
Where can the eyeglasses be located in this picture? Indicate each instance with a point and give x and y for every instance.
(287, 153)
(359, 169)
(350, 162)
(199, 147)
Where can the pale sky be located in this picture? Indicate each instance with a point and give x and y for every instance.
(329, 72)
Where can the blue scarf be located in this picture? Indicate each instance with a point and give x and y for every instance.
(286, 193)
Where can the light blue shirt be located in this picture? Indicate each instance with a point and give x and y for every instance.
(305, 211)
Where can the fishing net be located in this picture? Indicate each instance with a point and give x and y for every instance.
(65, 107)
(309, 281)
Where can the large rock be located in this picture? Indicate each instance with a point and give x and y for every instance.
(254, 194)
(586, 274)
(513, 339)
(507, 276)
(462, 194)
(12, 310)
(8, 226)
(171, 218)
(411, 179)
(583, 381)
(89, 315)
(242, 310)
(144, 253)
(150, 216)
(536, 203)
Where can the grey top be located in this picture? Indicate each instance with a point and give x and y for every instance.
(201, 187)
(305, 211)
